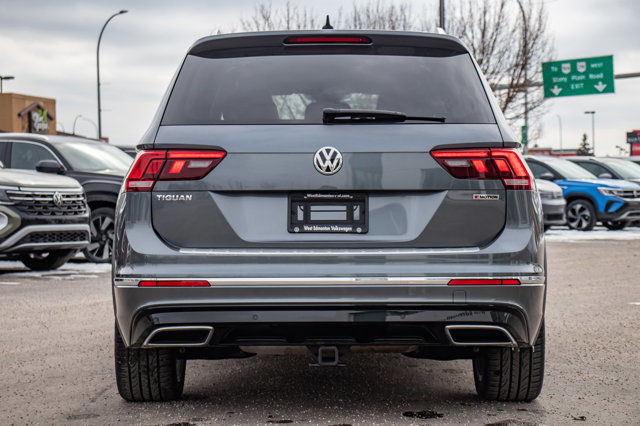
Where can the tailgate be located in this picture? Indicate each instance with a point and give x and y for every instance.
(411, 201)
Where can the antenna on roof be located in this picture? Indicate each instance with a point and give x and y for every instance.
(327, 24)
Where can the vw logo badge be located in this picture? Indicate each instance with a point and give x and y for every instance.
(57, 199)
(327, 160)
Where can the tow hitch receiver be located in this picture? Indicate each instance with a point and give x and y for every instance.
(328, 356)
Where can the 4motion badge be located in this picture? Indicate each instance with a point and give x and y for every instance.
(486, 197)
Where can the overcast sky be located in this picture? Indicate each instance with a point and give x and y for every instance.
(49, 46)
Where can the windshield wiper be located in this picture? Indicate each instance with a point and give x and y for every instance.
(332, 115)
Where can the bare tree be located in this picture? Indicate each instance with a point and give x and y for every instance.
(509, 42)
(376, 14)
(508, 38)
(380, 15)
(289, 17)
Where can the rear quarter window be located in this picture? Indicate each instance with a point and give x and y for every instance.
(294, 89)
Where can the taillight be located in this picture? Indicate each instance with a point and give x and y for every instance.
(327, 39)
(144, 171)
(152, 166)
(484, 281)
(511, 168)
(174, 283)
(184, 165)
(490, 163)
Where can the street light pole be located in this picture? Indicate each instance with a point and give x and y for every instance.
(3, 78)
(593, 129)
(75, 120)
(98, 69)
(80, 116)
(441, 13)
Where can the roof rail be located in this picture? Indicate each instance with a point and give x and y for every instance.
(25, 136)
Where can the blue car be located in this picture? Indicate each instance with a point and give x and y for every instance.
(613, 202)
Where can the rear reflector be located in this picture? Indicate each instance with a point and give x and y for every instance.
(152, 166)
(481, 281)
(327, 39)
(495, 163)
(172, 283)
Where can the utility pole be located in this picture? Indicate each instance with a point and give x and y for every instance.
(525, 32)
(441, 14)
(98, 69)
(593, 130)
(560, 130)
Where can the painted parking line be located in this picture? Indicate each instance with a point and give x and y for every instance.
(635, 303)
(9, 283)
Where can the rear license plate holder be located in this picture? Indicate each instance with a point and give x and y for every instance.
(328, 213)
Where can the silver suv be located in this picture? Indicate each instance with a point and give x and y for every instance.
(44, 218)
(329, 191)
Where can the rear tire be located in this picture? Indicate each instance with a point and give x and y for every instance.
(581, 215)
(615, 225)
(505, 374)
(148, 374)
(46, 261)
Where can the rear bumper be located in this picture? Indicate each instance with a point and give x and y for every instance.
(554, 211)
(366, 296)
(359, 314)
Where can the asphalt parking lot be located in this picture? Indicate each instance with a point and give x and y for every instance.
(57, 363)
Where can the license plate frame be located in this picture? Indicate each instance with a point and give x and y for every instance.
(328, 213)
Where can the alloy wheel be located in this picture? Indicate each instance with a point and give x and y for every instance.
(102, 232)
(578, 216)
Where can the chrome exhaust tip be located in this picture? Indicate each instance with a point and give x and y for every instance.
(479, 335)
(179, 336)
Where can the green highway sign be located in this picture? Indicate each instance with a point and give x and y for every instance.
(573, 77)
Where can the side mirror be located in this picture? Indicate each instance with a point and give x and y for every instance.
(546, 176)
(49, 166)
(605, 175)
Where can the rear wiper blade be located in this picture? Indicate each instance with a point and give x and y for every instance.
(332, 115)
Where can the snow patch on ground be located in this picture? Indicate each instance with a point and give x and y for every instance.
(68, 270)
(598, 233)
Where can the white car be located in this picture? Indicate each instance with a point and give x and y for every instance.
(553, 203)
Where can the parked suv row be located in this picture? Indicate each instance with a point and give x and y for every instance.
(591, 199)
(99, 167)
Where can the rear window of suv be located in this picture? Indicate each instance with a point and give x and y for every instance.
(294, 89)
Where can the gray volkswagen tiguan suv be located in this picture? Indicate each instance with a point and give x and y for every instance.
(331, 192)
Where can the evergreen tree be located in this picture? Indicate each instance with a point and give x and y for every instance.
(585, 148)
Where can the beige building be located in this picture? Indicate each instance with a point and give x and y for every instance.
(28, 114)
